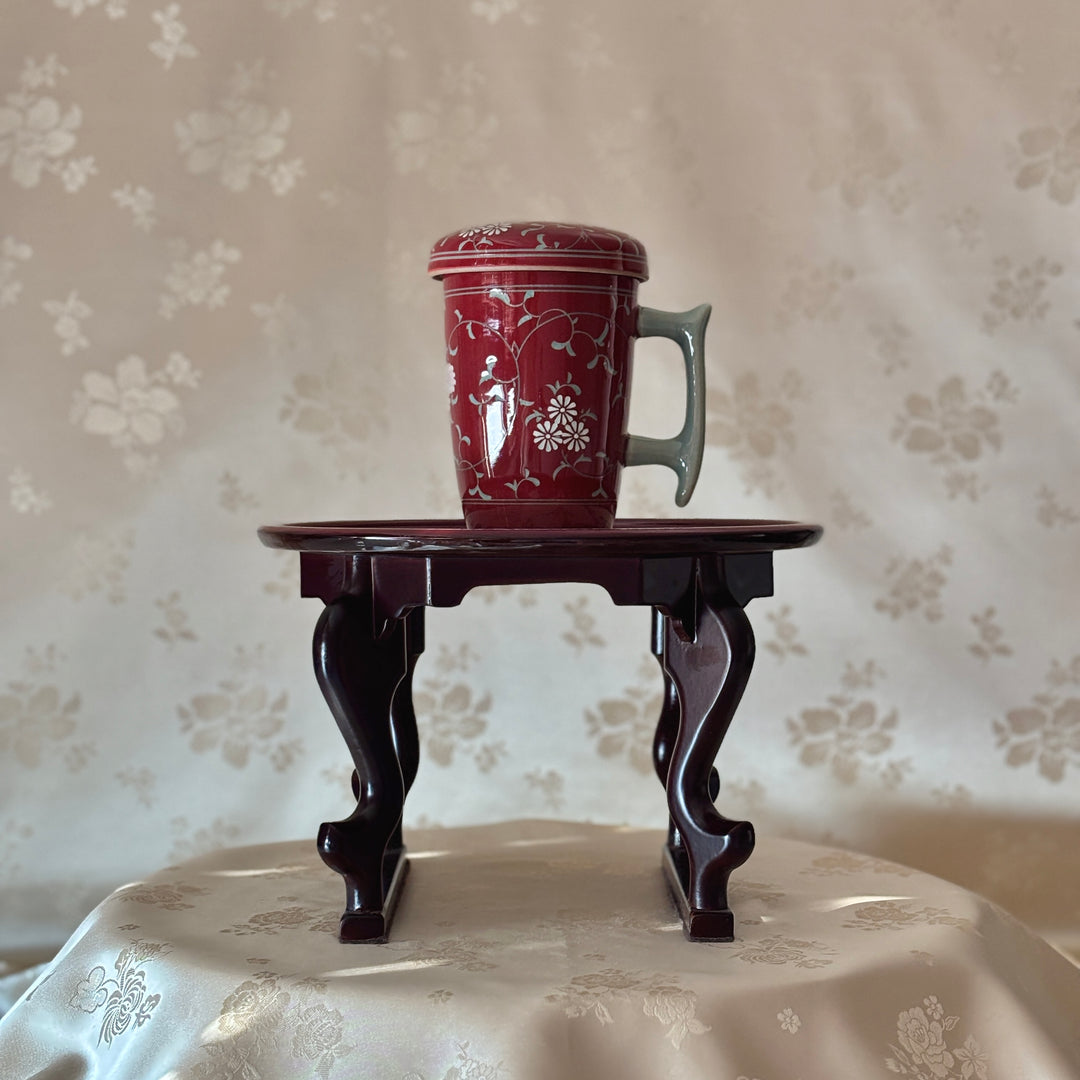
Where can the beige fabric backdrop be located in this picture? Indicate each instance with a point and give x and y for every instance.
(214, 222)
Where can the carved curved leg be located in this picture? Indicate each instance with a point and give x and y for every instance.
(358, 675)
(710, 674)
(667, 727)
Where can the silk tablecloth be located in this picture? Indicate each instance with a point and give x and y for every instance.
(544, 949)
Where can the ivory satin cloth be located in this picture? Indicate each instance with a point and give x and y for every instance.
(534, 950)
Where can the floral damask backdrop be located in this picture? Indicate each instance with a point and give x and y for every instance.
(214, 224)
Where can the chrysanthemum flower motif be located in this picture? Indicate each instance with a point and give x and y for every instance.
(486, 230)
(576, 435)
(562, 408)
(548, 435)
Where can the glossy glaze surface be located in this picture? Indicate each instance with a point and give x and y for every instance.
(538, 368)
(539, 245)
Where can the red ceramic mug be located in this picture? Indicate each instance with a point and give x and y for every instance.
(540, 324)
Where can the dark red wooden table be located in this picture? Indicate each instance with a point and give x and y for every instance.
(376, 578)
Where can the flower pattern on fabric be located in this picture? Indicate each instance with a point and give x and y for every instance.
(849, 733)
(660, 997)
(1053, 160)
(37, 135)
(24, 497)
(125, 999)
(624, 727)
(789, 1021)
(895, 915)
(172, 45)
(35, 714)
(134, 408)
(923, 1051)
(323, 404)
(779, 950)
(862, 164)
(197, 279)
(268, 1016)
(1048, 730)
(755, 425)
(172, 897)
(241, 140)
(955, 428)
(915, 585)
(69, 314)
(1019, 292)
(450, 719)
(241, 717)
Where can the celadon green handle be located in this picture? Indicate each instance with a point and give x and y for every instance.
(682, 453)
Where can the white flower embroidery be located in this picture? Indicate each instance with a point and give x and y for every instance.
(789, 1021)
(140, 201)
(36, 134)
(562, 408)
(576, 435)
(547, 435)
(133, 409)
(25, 499)
(128, 408)
(197, 281)
(69, 314)
(451, 379)
(172, 43)
(241, 139)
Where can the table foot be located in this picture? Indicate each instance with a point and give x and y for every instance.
(373, 927)
(698, 924)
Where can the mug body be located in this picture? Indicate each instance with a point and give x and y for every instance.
(538, 366)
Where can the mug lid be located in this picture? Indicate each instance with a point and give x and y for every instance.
(539, 245)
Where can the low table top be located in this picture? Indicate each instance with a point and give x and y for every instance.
(630, 536)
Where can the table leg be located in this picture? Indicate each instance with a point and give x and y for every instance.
(359, 674)
(709, 673)
(667, 727)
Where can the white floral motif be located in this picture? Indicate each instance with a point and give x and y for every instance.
(547, 435)
(576, 436)
(241, 139)
(69, 314)
(36, 135)
(134, 408)
(12, 252)
(173, 42)
(562, 408)
(124, 998)
(198, 280)
(789, 1020)
(25, 499)
(924, 1051)
(481, 234)
(140, 201)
